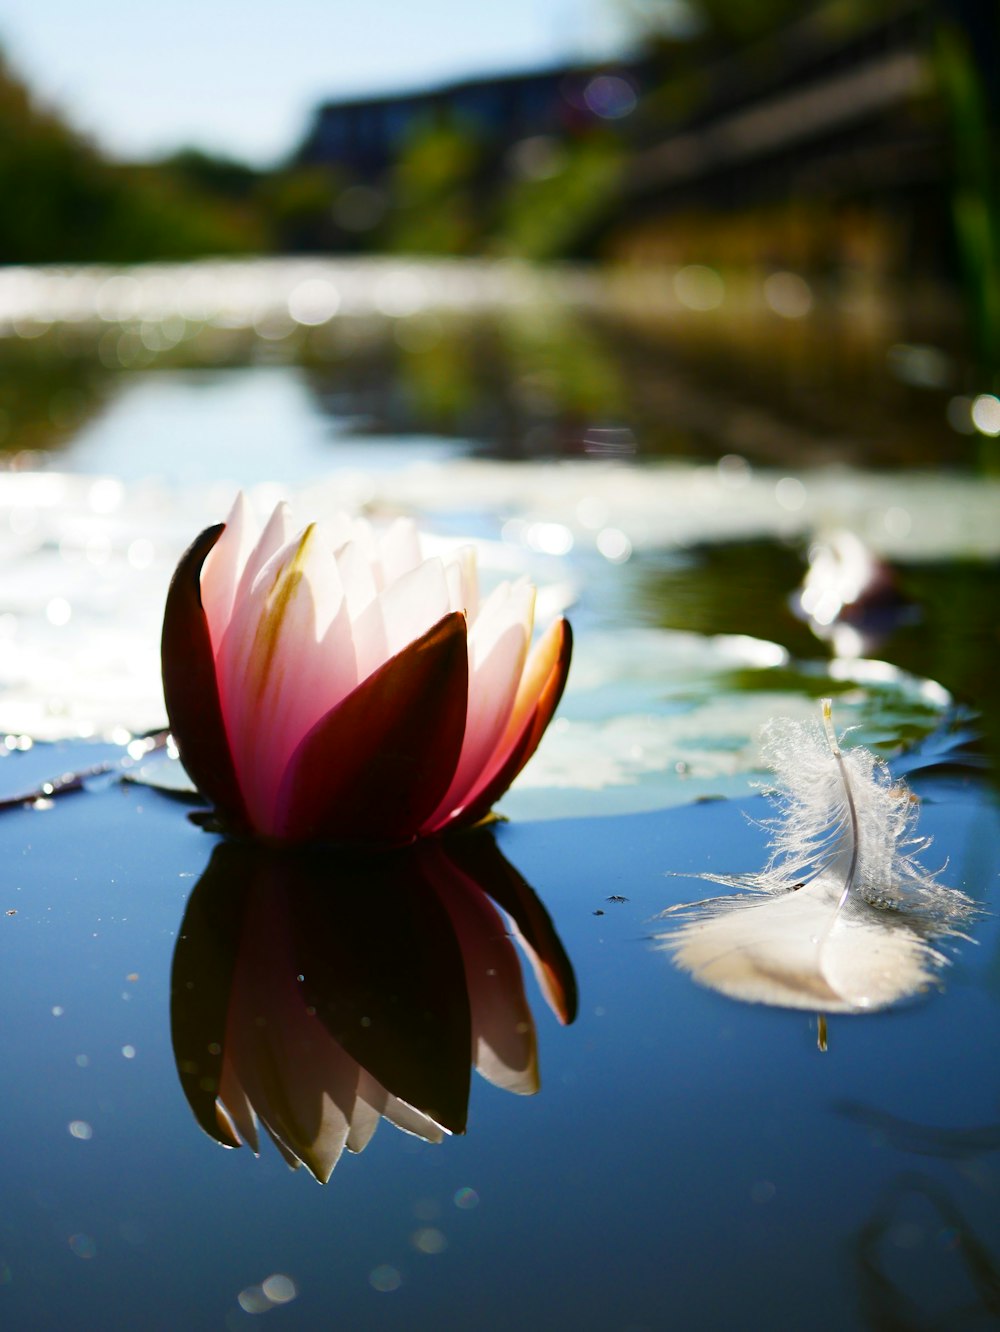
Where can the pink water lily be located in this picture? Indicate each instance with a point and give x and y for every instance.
(335, 685)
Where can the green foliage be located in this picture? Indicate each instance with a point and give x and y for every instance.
(545, 216)
(65, 203)
(975, 194)
(434, 201)
(296, 205)
(210, 174)
(715, 24)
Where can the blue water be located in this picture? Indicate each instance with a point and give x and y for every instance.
(688, 1161)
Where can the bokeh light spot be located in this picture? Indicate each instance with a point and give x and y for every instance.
(83, 1246)
(986, 414)
(788, 295)
(430, 1240)
(699, 287)
(385, 1278)
(279, 1289)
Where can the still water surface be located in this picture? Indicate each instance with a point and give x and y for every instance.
(686, 1160)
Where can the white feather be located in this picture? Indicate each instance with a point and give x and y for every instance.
(841, 916)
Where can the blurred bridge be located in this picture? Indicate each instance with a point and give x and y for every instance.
(826, 109)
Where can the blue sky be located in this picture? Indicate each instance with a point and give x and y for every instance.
(242, 76)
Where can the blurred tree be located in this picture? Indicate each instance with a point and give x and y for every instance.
(689, 26)
(543, 213)
(297, 206)
(975, 190)
(66, 203)
(211, 174)
(435, 198)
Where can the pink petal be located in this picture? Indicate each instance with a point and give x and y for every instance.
(538, 697)
(277, 677)
(498, 644)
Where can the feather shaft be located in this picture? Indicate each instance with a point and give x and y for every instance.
(852, 811)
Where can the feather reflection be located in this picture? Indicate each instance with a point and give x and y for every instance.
(315, 996)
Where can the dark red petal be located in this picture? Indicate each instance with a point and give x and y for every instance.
(376, 766)
(190, 688)
(527, 741)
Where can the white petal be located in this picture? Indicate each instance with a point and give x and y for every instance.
(338, 530)
(412, 604)
(223, 567)
(399, 550)
(363, 538)
(276, 534)
(360, 587)
(463, 586)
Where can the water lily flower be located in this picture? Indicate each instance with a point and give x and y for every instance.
(334, 685)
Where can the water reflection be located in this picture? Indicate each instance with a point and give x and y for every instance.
(531, 361)
(920, 1262)
(316, 997)
(850, 597)
(907, 1135)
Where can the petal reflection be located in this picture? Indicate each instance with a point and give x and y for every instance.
(313, 997)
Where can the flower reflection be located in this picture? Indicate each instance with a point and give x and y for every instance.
(850, 598)
(316, 998)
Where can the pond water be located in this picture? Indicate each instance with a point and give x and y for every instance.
(626, 1149)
